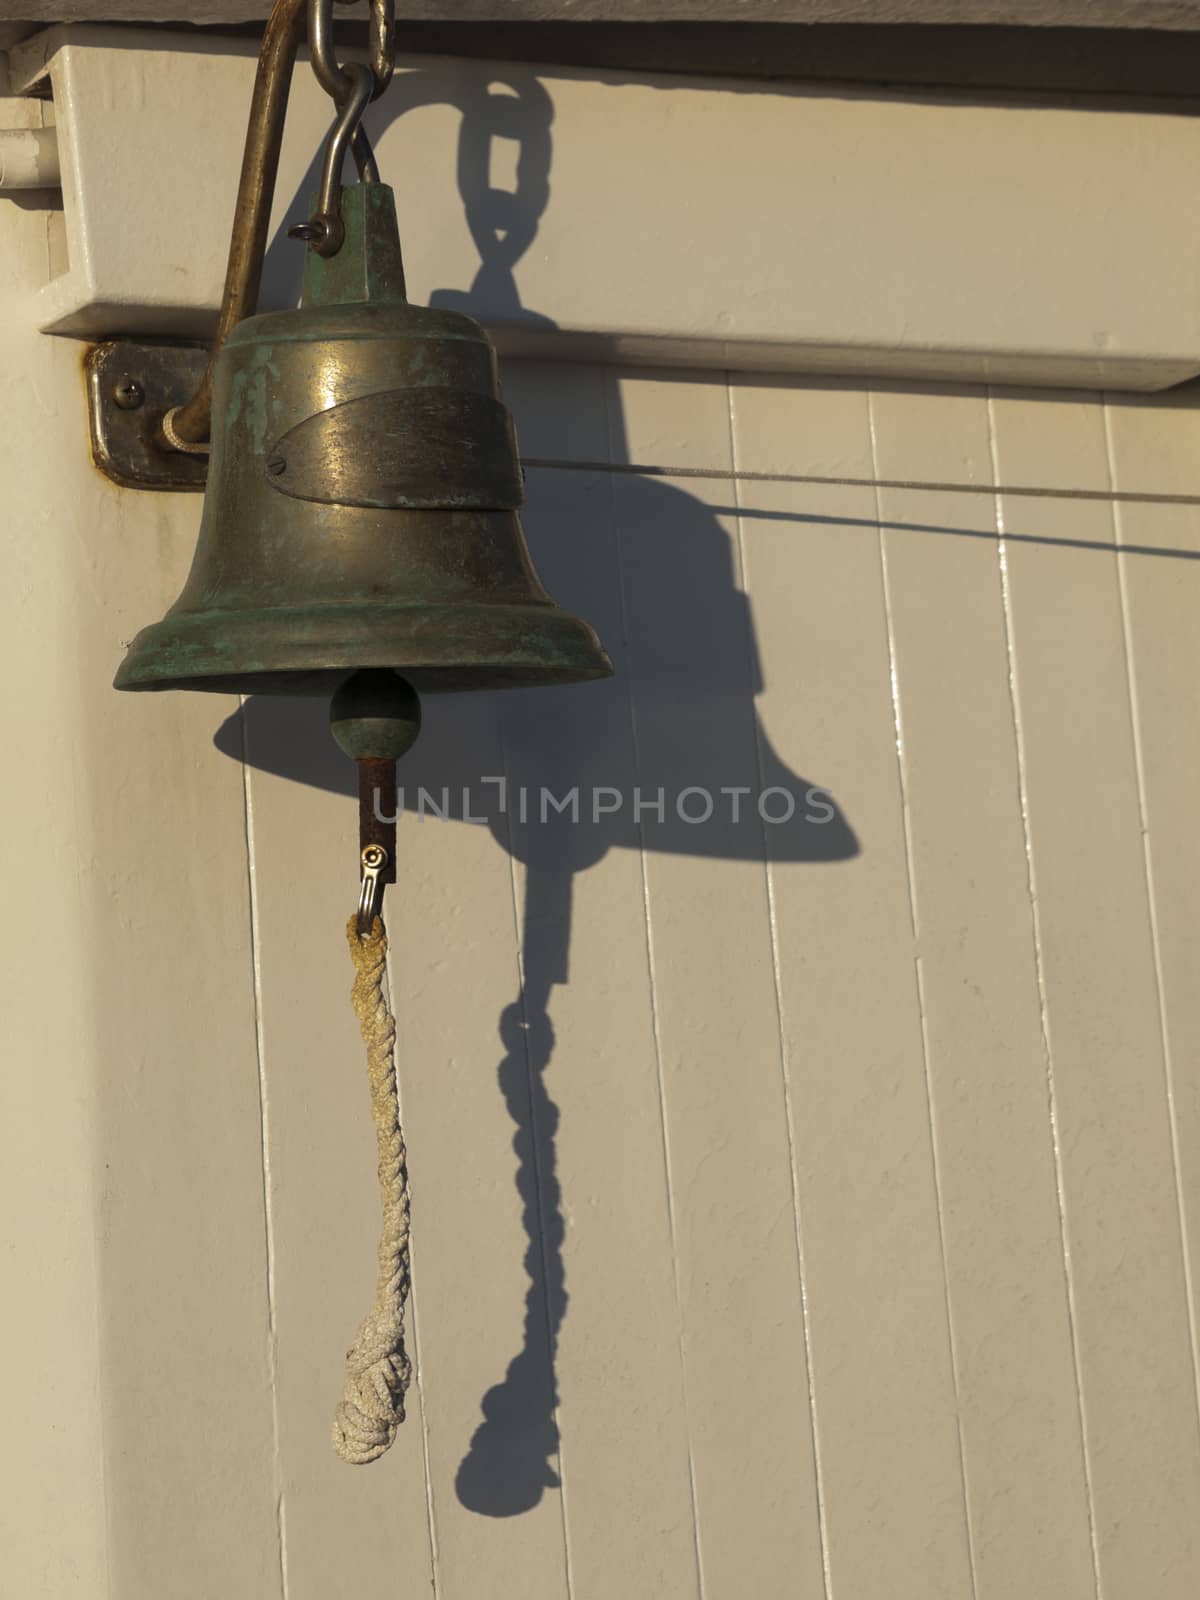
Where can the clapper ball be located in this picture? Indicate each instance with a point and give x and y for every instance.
(375, 715)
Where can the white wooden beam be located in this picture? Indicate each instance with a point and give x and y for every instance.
(839, 233)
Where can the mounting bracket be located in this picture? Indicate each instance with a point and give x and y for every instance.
(130, 384)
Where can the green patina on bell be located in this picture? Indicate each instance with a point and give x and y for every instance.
(361, 509)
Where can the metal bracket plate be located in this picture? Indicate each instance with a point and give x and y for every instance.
(130, 385)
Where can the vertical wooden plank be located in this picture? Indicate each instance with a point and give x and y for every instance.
(191, 1479)
(1102, 1017)
(55, 1524)
(190, 1470)
(137, 1407)
(987, 1061)
(693, 681)
(589, 1018)
(364, 1529)
(883, 1389)
(1153, 444)
(480, 1299)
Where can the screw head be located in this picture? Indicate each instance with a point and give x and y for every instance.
(128, 394)
(276, 465)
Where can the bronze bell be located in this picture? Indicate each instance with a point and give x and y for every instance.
(361, 509)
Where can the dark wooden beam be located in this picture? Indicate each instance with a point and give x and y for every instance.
(1168, 14)
(1108, 62)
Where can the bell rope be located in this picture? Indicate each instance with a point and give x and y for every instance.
(378, 1370)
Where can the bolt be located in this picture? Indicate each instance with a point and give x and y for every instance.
(128, 394)
(276, 465)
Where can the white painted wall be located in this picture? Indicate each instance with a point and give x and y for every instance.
(824, 1222)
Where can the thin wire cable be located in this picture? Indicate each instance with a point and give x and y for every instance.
(725, 475)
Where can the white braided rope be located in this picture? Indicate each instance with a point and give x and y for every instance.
(378, 1370)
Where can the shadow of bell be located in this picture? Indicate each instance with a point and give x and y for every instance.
(669, 755)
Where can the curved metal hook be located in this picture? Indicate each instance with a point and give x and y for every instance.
(352, 89)
(324, 231)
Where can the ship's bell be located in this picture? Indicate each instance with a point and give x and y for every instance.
(361, 509)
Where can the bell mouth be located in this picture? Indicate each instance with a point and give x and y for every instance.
(308, 650)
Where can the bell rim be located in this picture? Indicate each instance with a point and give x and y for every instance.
(447, 648)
